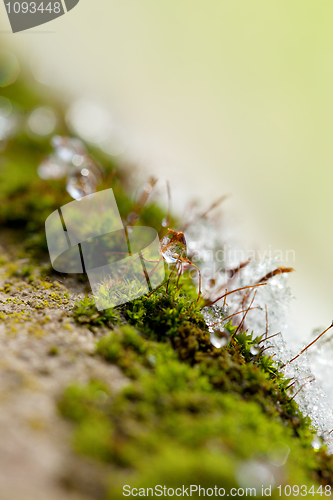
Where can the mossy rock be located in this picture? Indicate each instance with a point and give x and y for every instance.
(139, 396)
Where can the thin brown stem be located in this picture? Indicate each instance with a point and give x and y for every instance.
(268, 347)
(143, 199)
(171, 273)
(110, 178)
(290, 385)
(241, 323)
(270, 337)
(204, 214)
(237, 269)
(179, 272)
(266, 320)
(155, 267)
(127, 266)
(155, 289)
(279, 270)
(235, 314)
(199, 294)
(307, 347)
(168, 216)
(225, 299)
(233, 291)
(299, 390)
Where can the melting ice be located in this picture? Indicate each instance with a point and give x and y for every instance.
(311, 372)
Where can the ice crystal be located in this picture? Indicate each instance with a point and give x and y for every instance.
(310, 373)
(214, 316)
(173, 247)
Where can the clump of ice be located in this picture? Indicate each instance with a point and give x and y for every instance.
(214, 316)
(310, 373)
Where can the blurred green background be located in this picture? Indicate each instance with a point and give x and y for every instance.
(219, 97)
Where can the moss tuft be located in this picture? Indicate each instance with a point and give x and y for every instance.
(86, 313)
(172, 426)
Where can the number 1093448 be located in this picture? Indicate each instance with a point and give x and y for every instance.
(33, 7)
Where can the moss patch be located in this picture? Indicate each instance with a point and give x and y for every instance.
(173, 427)
(190, 413)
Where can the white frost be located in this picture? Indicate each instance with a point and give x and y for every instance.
(311, 372)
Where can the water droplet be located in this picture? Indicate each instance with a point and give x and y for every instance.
(166, 221)
(316, 443)
(81, 182)
(77, 160)
(173, 247)
(52, 168)
(219, 339)
(67, 149)
(254, 349)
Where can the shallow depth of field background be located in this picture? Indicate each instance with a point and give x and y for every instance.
(220, 97)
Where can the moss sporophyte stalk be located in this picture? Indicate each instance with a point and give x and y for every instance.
(175, 387)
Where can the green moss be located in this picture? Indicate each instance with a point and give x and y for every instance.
(173, 427)
(3, 260)
(186, 388)
(190, 413)
(86, 313)
(53, 351)
(173, 317)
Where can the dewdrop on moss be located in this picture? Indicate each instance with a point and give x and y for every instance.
(316, 443)
(81, 182)
(173, 247)
(52, 168)
(219, 338)
(254, 349)
(66, 148)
